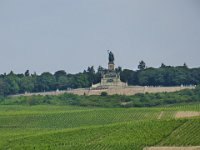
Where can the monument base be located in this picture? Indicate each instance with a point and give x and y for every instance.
(110, 80)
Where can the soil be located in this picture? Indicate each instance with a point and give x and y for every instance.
(173, 148)
(186, 114)
(160, 115)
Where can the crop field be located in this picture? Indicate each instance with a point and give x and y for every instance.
(51, 127)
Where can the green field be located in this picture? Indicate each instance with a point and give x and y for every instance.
(71, 127)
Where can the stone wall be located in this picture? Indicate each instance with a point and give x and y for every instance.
(130, 90)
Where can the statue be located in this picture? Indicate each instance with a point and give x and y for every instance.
(111, 57)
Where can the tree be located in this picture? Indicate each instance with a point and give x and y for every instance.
(60, 73)
(91, 70)
(185, 65)
(91, 75)
(128, 76)
(141, 65)
(162, 65)
(46, 82)
(104, 93)
(118, 69)
(3, 88)
(101, 70)
(26, 84)
(146, 77)
(61, 80)
(11, 73)
(27, 73)
(13, 87)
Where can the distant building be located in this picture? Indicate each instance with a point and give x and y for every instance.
(110, 78)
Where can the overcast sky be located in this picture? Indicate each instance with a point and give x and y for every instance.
(51, 35)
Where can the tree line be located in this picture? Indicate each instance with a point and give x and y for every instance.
(12, 83)
(162, 76)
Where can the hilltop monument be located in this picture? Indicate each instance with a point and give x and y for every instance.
(111, 58)
(110, 78)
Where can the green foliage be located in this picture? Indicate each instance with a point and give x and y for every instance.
(104, 93)
(12, 83)
(164, 76)
(189, 132)
(26, 84)
(141, 65)
(4, 90)
(32, 101)
(60, 73)
(128, 76)
(124, 136)
(71, 127)
(105, 100)
(46, 82)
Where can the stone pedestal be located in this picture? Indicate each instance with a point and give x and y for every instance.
(110, 79)
(111, 66)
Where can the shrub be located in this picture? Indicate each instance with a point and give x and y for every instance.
(104, 93)
(32, 101)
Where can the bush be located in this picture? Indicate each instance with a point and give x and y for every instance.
(32, 101)
(104, 93)
(105, 100)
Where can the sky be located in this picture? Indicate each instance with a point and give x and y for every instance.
(70, 35)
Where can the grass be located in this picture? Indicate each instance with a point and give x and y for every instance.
(72, 127)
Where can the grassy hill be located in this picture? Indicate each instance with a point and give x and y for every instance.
(72, 127)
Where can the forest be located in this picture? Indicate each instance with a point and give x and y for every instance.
(12, 83)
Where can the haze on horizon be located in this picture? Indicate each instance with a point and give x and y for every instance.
(51, 35)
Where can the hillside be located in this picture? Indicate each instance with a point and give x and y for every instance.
(72, 127)
(105, 100)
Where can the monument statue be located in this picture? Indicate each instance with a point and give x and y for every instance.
(111, 57)
(110, 78)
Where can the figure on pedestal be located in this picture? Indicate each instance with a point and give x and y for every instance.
(111, 57)
(110, 79)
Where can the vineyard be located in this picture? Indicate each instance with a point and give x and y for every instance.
(53, 127)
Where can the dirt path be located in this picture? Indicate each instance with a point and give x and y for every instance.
(186, 114)
(160, 115)
(173, 148)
